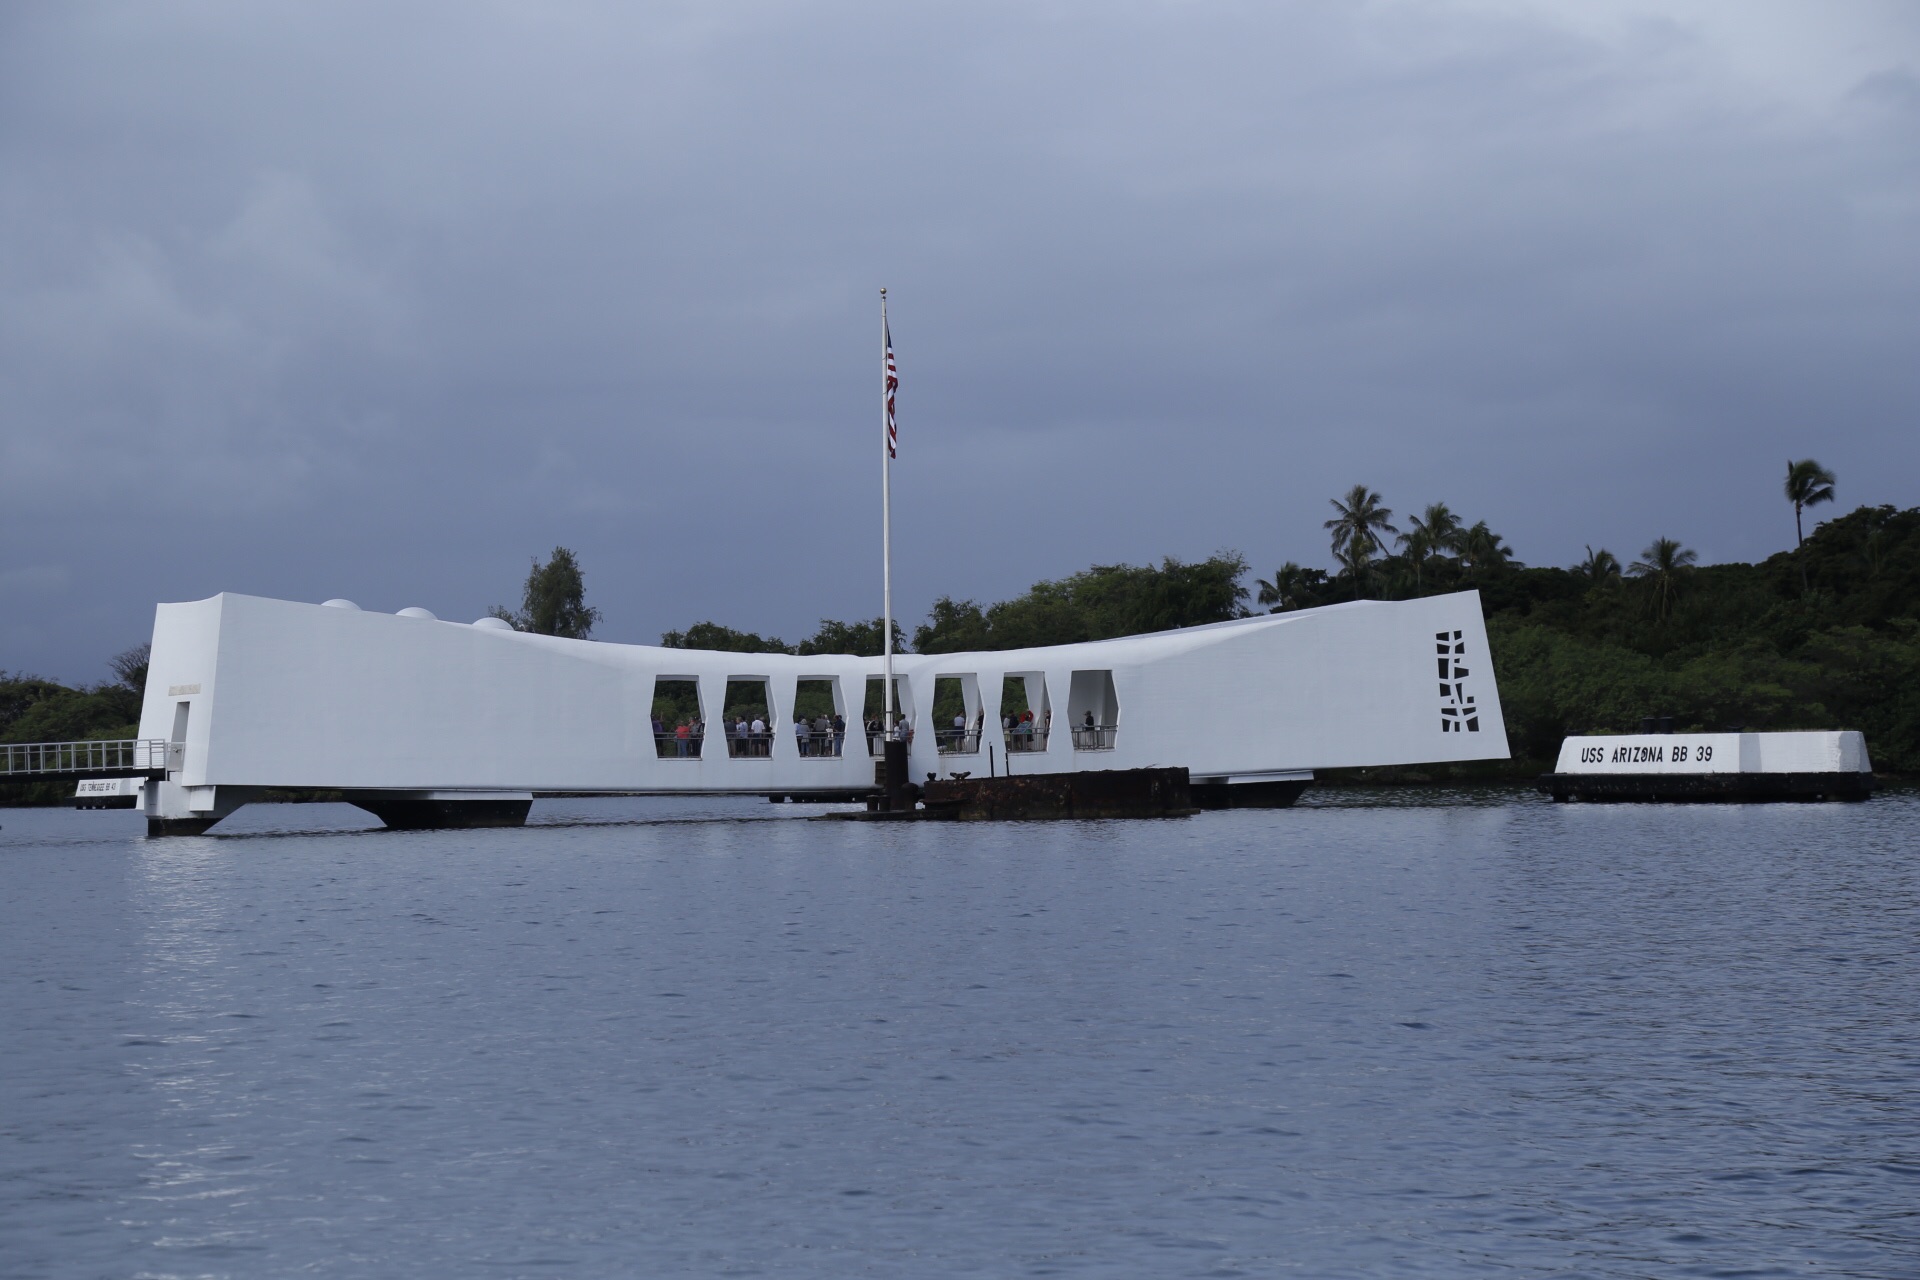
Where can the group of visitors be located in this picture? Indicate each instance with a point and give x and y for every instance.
(1024, 733)
(877, 733)
(824, 735)
(749, 737)
(682, 740)
(963, 737)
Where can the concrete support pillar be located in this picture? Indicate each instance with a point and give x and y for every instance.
(175, 810)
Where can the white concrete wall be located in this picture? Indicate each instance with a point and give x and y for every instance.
(298, 695)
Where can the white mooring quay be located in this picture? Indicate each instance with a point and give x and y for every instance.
(426, 722)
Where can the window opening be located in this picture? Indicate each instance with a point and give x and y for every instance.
(957, 716)
(679, 725)
(747, 718)
(816, 703)
(873, 715)
(1093, 710)
(1026, 715)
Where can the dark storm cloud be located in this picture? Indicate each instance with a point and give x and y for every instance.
(334, 300)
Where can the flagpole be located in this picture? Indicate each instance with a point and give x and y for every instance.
(886, 526)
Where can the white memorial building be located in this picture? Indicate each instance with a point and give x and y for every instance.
(426, 722)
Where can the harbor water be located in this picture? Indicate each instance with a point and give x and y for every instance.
(1391, 1033)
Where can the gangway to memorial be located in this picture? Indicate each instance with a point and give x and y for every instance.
(148, 758)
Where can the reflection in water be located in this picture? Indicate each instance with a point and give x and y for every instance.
(196, 1150)
(1391, 1032)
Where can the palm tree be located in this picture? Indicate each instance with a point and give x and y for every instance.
(1482, 548)
(1416, 548)
(1434, 532)
(1599, 566)
(1292, 587)
(1357, 529)
(1663, 564)
(1808, 485)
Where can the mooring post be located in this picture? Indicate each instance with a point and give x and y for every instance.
(896, 775)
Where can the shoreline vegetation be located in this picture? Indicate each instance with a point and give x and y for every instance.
(1823, 636)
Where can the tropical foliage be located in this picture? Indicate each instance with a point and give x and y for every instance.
(1662, 565)
(1357, 526)
(1292, 587)
(553, 602)
(1808, 484)
(1096, 604)
(711, 635)
(859, 638)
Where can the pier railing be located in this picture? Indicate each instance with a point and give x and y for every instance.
(126, 758)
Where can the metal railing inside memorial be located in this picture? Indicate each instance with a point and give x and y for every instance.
(744, 744)
(821, 743)
(24, 758)
(959, 742)
(877, 740)
(671, 744)
(1025, 737)
(1095, 737)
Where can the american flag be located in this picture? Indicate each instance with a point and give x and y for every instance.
(893, 385)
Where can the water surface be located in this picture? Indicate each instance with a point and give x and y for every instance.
(1387, 1033)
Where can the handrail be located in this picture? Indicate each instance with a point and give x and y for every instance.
(877, 738)
(817, 745)
(1093, 737)
(957, 742)
(668, 745)
(24, 759)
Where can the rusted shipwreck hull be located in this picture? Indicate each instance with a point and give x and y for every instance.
(1112, 793)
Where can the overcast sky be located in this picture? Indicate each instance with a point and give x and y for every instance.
(382, 300)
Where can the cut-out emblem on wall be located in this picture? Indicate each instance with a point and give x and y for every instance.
(1457, 712)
